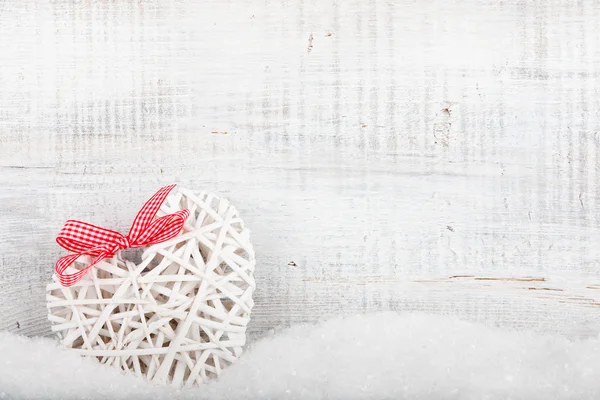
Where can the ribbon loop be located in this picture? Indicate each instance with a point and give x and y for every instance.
(163, 228)
(83, 239)
(78, 236)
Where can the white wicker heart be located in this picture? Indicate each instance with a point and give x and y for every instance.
(180, 315)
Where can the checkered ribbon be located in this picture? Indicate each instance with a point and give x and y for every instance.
(87, 239)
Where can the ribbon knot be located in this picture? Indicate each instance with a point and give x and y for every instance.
(123, 243)
(87, 239)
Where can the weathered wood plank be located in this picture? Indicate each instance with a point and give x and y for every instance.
(369, 146)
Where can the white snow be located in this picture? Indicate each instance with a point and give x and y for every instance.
(381, 356)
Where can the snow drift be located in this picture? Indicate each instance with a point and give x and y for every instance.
(385, 355)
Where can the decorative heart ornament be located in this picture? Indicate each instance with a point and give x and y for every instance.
(180, 315)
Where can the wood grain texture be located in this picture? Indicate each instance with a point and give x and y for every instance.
(369, 145)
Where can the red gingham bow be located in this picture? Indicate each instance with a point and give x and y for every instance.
(87, 239)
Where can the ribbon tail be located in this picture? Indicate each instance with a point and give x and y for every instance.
(64, 262)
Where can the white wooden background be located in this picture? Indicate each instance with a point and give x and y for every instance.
(379, 150)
